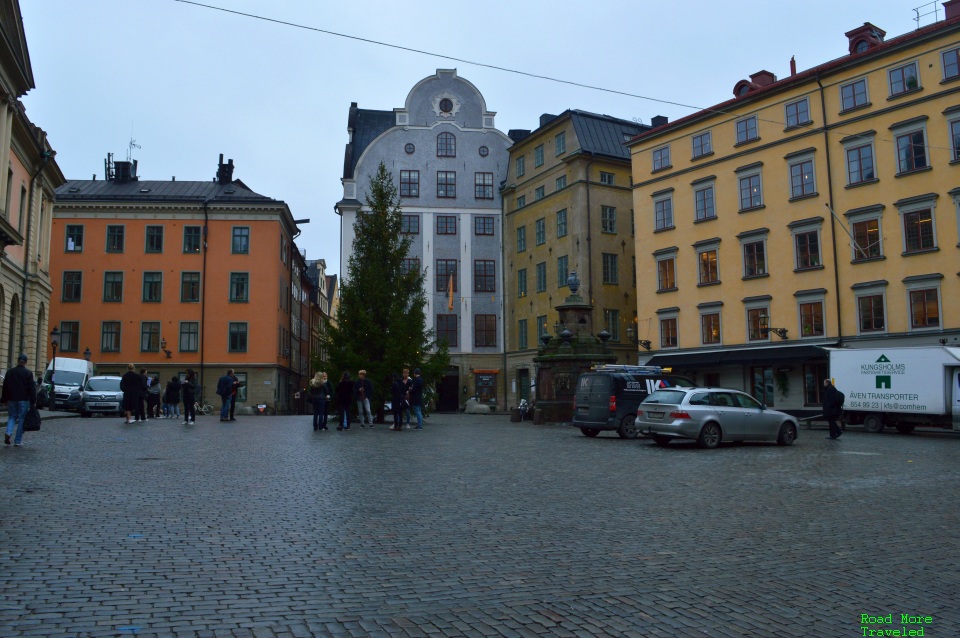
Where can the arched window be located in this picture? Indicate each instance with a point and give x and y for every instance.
(446, 145)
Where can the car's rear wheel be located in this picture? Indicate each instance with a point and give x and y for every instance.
(662, 440)
(628, 427)
(591, 432)
(873, 423)
(788, 434)
(710, 435)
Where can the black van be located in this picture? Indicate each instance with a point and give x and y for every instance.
(607, 398)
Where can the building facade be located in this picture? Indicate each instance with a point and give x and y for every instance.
(568, 207)
(447, 159)
(170, 275)
(819, 210)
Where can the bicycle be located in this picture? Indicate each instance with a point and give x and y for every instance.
(203, 408)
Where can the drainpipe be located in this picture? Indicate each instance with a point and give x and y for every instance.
(503, 305)
(203, 293)
(590, 244)
(35, 181)
(833, 219)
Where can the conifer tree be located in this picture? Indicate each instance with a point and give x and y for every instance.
(381, 324)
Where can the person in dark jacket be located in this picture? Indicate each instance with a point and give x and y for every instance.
(130, 386)
(416, 397)
(19, 393)
(189, 389)
(328, 391)
(172, 398)
(233, 395)
(225, 391)
(153, 397)
(362, 393)
(397, 392)
(344, 399)
(318, 399)
(832, 403)
(141, 414)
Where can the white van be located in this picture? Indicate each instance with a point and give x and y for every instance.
(71, 377)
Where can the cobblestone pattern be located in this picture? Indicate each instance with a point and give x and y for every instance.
(473, 527)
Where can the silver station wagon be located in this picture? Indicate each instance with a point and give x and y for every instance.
(711, 415)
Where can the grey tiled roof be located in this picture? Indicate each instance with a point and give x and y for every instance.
(604, 135)
(79, 190)
(367, 126)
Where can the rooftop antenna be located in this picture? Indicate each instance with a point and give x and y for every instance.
(132, 145)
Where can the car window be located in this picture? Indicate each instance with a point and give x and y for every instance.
(724, 400)
(747, 401)
(673, 397)
(700, 398)
(103, 385)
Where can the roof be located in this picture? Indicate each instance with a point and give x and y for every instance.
(603, 134)
(366, 125)
(85, 190)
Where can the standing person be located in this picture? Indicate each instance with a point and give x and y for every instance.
(344, 398)
(416, 397)
(153, 397)
(189, 388)
(19, 393)
(171, 398)
(141, 414)
(130, 386)
(397, 392)
(225, 390)
(362, 391)
(233, 395)
(407, 382)
(328, 392)
(318, 397)
(832, 402)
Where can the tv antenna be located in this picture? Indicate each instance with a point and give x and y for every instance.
(132, 145)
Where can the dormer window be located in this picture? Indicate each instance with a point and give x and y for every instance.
(861, 46)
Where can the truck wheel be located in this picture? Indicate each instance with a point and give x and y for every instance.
(662, 440)
(589, 432)
(628, 427)
(710, 436)
(788, 434)
(905, 428)
(873, 423)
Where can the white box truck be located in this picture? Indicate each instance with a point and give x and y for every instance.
(902, 387)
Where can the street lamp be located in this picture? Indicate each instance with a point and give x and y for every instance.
(765, 328)
(632, 337)
(87, 354)
(163, 346)
(54, 341)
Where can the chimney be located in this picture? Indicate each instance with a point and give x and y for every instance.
(546, 118)
(225, 171)
(763, 78)
(952, 9)
(793, 64)
(659, 120)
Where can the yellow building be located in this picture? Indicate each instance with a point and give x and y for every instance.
(818, 210)
(568, 207)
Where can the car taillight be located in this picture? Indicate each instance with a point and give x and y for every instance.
(679, 415)
(613, 403)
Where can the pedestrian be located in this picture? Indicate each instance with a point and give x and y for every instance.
(225, 390)
(233, 395)
(397, 392)
(189, 389)
(19, 393)
(328, 392)
(172, 398)
(362, 391)
(416, 397)
(153, 397)
(141, 414)
(318, 397)
(407, 382)
(832, 402)
(344, 399)
(130, 386)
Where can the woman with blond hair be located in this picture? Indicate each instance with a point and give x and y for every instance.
(318, 397)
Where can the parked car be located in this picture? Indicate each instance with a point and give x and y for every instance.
(712, 415)
(101, 395)
(607, 398)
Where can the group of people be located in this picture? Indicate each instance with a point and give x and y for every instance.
(139, 388)
(406, 394)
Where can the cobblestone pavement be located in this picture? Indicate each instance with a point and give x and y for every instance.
(473, 527)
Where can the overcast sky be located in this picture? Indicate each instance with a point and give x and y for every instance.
(189, 82)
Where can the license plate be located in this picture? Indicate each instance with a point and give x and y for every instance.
(655, 415)
(102, 405)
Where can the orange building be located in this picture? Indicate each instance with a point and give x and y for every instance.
(170, 275)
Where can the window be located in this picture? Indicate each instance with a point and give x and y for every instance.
(540, 231)
(754, 332)
(911, 151)
(446, 268)
(446, 145)
(870, 313)
(521, 334)
(409, 183)
(72, 285)
(152, 287)
(562, 223)
(611, 322)
(608, 219)
(710, 328)
(661, 158)
(538, 156)
(239, 287)
(751, 194)
(853, 95)
(115, 239)
(484, 275)
(74, 237)
(563, 271)
(560, 143)
(611, 274)
(483, 185)
(522, 282)
(112, 286)
(668, 332)
(410, 225)
(150, 336)
(521, 166)
(446, 184)
(607, 178)
(110, 336)
(924, 308)
(808, 249)
(811, 319)
(542, 276)
(154, 239)
(69, 336)
(903, 78)
(747, 129)
(666, 274)
(561, 183)
(189, 336)
(237, 332)
(797, 113)
(663, 213)
(541, 325)
(446, 224)
(704, 202)
(951, 64)
(409, 265)
(191, 239)
(918, 230)
(447, 329)
(802, 182)
(866, 238)
(708, 269)
(702, 145)
(955, 140)
(485, 331)
(754, 258)
(241, 240)
(860, 164)
(521, 239)
(483, 225)
(189, 287)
